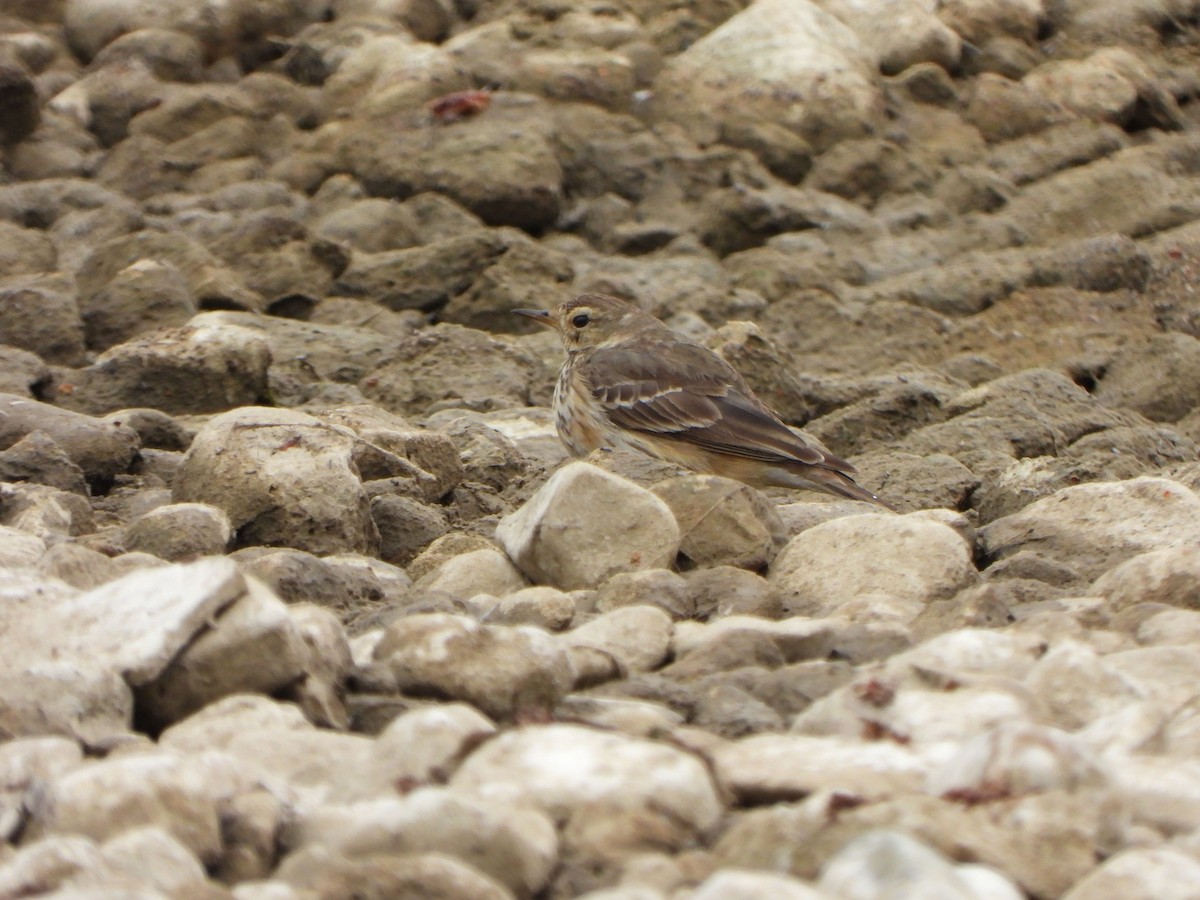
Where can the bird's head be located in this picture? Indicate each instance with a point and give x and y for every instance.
(591, 320)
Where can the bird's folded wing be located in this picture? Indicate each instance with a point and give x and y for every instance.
(694, 397)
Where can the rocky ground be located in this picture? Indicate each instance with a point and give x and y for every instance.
(301, 599)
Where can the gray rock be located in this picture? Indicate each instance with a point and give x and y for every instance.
(46, 512)
(450, 366)
(425, 277)
(794, 48)
(406, 526)
(252, 646)
(1093, 527)
(638, 637)
(728, 591)
(483, 571)
(145, 296)
(100, 449)
(1158, 378)
(21, 372)
(496, 164)
(79, 566)
(310, 499)
(647, 587)
(199, 368)
(39, 313)
(585, 525)
(911, 557)
(210, 284)
(39, 459)
(180, 532)
(506, 672)
(722, 522)
(544, 607)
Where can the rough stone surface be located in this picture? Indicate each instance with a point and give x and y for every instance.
(585, 525)
(258, 268)
(911, 557)
(283, 478)
(505, 672)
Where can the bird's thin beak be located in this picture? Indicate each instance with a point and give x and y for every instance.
(541, 316)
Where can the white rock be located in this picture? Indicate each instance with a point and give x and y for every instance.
(633, 717)
(774, 767)
(899, 33)
(1093, 527)
(639, 637)
(1075, 685)
(420, 747)
(1133, 728)
(216, 726)
(316, 763)
(46, 864)
(585, 525)
(882, 864)
(748, 885)
(153, 856)
(1161, 792)
(1169, 674)
(777, 61)
(517, 845)
(833, 563)
(19, 548)
(123, 793)
(387, 72)
(1178, 627)
(135, 625)
(565, 767)
(23, 765)
(915, 716)
(76, 699)
(1168, 575)
(265, 890)
(1017, 758)
(969, 653)
(1158, 872)
(403, 875)
(1090, 87)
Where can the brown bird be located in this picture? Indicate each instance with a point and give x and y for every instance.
(630, 381)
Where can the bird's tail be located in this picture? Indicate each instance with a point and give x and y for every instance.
(826, 480)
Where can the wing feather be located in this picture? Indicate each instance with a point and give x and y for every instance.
(692, 395)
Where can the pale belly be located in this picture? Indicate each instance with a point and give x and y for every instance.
(579, 427)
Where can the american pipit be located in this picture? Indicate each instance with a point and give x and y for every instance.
(630, 381)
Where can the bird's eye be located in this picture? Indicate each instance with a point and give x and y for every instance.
(580, 320)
